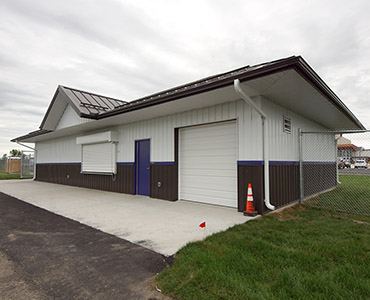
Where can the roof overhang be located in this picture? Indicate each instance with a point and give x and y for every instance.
(296, 63)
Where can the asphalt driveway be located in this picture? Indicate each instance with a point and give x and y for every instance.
(47, 256)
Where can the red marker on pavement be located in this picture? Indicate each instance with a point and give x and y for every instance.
(202, 225)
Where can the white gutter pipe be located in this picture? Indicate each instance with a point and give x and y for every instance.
(34, 158)
(265, 144)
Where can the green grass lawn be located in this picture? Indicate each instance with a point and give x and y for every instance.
(300, 253)
(352, 196)
(9, 176)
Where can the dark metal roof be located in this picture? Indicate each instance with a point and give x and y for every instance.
(90, 103)
(86, 104)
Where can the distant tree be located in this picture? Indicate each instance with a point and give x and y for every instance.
(15, 152)
(5, 155)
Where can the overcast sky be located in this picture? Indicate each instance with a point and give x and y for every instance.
(128, 49)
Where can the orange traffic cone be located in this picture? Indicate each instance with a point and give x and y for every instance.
(250, 211)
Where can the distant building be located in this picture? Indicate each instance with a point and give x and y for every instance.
(346, 149)
(362, 154)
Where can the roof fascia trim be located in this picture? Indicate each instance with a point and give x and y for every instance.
(49, 109)
(31, 135)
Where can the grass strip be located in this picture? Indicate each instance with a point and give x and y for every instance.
(5, 176)
(300, 253)
(352, 196)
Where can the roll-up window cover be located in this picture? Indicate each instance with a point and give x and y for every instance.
(99, 158)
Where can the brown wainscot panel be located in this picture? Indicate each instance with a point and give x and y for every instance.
(164, 181)
(250, 172)
(284, 182)
(70, 174)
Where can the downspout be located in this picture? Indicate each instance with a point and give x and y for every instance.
(34, 158)
(300, 154)
(265, 148)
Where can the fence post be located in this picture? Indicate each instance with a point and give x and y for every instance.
(301, 192)
(22, 164)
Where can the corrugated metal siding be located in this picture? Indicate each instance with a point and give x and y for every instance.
(254, 175)
(167, 176)
(161, 131)
(284, 184)
(250, 132)
(61, 150)
(70, 174)
(70, 118)
(285, 147)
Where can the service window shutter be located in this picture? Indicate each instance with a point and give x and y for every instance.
(99, 158)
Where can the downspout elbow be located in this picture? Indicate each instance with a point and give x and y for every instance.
(269, 205)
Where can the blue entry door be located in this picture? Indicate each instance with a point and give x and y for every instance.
(142, 162)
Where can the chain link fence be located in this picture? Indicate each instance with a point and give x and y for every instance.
(27, 164)
(3, 161)
(335, 171)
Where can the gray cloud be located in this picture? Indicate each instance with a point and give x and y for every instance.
(128, 49)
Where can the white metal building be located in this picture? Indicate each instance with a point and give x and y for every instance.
(203, 141)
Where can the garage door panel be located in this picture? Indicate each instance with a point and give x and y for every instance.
(217, 163)
(208, 193)
(208, 172)
(200, 131)
(218, 139)
(211, 162)
(207, 160)
(227, 195)
(224, 201)
(204, 145)
(227, 151)
(215, 134)
(202, 182)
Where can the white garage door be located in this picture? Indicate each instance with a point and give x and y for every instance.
(208, 169)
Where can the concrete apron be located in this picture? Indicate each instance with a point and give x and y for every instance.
(160, 225)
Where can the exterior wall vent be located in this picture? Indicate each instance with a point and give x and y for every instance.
(287, 125)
